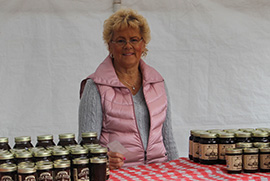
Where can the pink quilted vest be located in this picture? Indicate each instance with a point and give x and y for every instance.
(119, 121)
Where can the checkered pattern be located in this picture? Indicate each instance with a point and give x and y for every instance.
(182, 169)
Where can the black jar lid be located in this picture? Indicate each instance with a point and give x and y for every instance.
(66, 136)
(3, 140)
(22, 139)
(226, 135)
(89, 134)
(233, 151)
(45, 137)
(7, 167)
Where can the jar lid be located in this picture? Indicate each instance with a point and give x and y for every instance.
(98, 160)
(6, 156)
(22, 139)
(80, 161)
(16, 150)
(61, 164)
(7, 167)
(242, 134)
(265, 149)
(44, 137)
(99, 150)
(260, 144)
(89, 134)
(195, 130)
(208, 135)
(42, 153)
(89, 146)
(226, 135)
(263, 129)
(231, 130)
(72, 147)
(243, 145)
(259, 134)
(44, 165)
(78, 151)
(3, 140)
(214, 130)
(25, 168)
(66, 136)
(55, 147)
(233, 150)
(251, 150)
(246, 129)
(198, 133)
(24, 154)
(59, 152)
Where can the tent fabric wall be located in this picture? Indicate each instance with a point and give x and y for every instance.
(214, 56)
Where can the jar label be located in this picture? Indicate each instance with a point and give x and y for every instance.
(62, 175)
(222, 148)
(45, 176)
(6, 178)
(208, 151)
(234, 162)
(195, 150)
(190, 147)
(265, 161)
(250, 162)
(28, 178)
(81, 174)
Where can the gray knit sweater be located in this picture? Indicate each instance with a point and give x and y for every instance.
(90, 117)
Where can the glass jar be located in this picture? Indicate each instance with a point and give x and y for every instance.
(62, 170)
(191, 136)
(264, 160)
(250, 160)
(100, 152)
(45, 141)
(43, 155)
(23, 142)
(44, 170)
(4, 143)
(242, 137)
(225, 140)
(98, 169)
(60, 154)
(89, 138)
(233, 160)
(26, 171)
(24, 156)
(196, 146)
(208, 149)
(79, 153)
(80, 169)
(67, 139)
(259, 136)
(7, 157)
(8, 172)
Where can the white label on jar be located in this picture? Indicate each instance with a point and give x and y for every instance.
(6, 178)
(208, 151)
(250, 162)
(264, 161)
(234, 162)
(195, 150)
(222, 148)
(190, 147)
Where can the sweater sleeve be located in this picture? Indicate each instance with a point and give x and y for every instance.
(167, 133)
(90, 110)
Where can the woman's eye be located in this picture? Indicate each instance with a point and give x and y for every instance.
(134, 40)
(120, 41)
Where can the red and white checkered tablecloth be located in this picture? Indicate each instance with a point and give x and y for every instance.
(182, 169)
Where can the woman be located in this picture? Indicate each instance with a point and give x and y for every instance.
(126, 99)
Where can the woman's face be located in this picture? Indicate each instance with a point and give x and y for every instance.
(127, 55)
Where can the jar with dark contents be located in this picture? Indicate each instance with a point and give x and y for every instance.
(80, 169)
(67, 139)
(259, 136)
(250, 160)
(225, 140)
(241, 136)
(234, 160)
(190, 150)
(7, 157)
(98, 169)
(60, 154)
(8, 172)
(195, 147)
(4, 143)
(45, 141)
(264, 159)
(23, 142)
(101, 152)
(243, 145)
(89, 138)
(27, 171)
(79, 153)
(44, 171)
(208, 149)
(43, 155)
(24, 156)
(62, 170)
(89, 147)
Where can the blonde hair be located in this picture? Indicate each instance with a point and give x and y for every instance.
(122, 19)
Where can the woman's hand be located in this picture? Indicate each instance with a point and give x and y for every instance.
(116, 160)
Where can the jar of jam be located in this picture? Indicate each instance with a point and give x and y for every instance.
(60, 154)
(250, 160)
(89, 147)
(45, 141)
(191, 136)
(89, 138)
(233, 160)
(8, 172)
(24, 156)
(23, 142)
(80, 169)
(259, 136)
(67, 139)
(208, 149)
(264, 159)
(243, 145)
(241, 136)
(261, 144)
(7, 157)
(100, 152)
(43, 155)
(98, 169)
(62, 170)
(4, 143)
(225, 140)
(44, 170)
(26, 171)
(79, 153)
(196, 146)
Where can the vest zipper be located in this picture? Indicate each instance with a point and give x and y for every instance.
(145, 156)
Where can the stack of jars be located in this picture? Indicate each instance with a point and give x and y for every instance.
(46, 161)
(240, 149)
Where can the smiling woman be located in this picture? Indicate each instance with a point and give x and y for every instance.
(125, 99)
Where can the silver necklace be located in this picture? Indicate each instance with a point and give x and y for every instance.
(133, 87)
